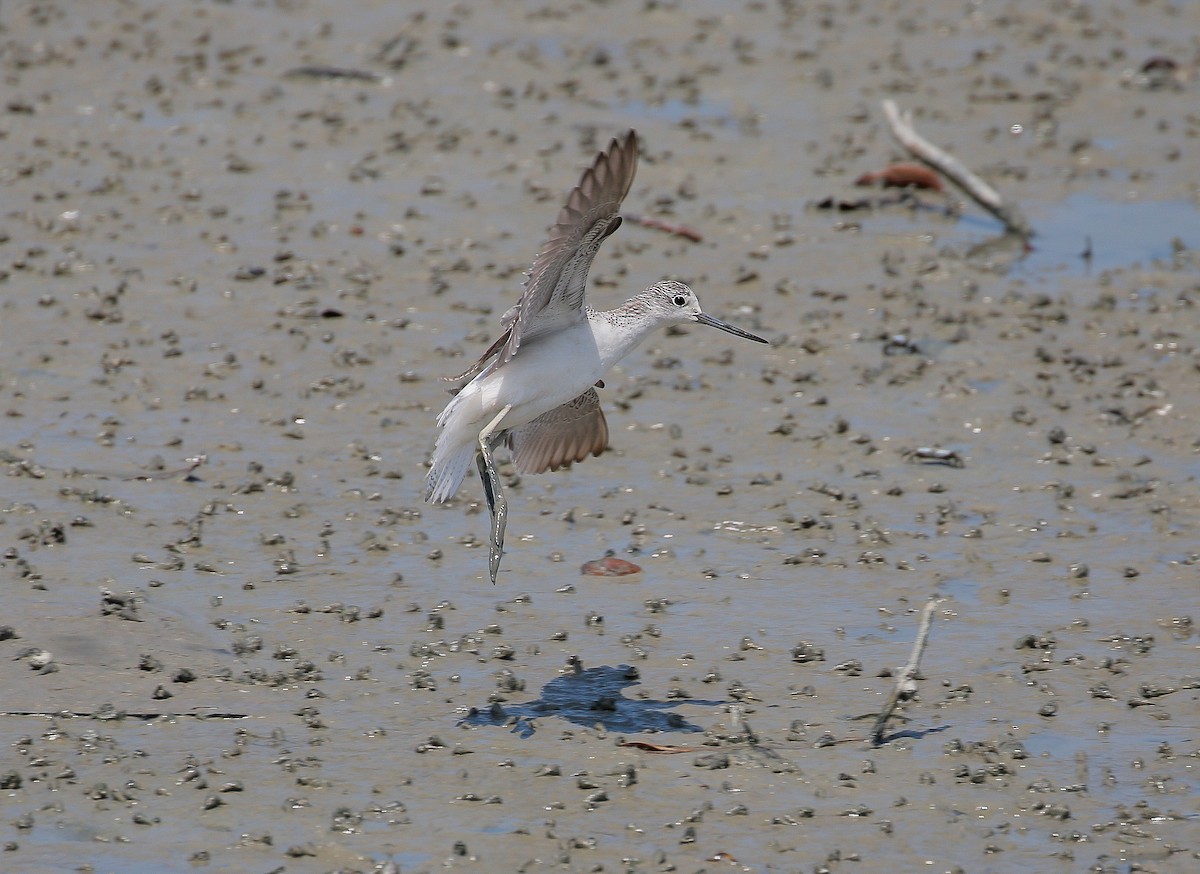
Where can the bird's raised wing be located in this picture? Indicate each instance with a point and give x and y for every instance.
(554, 289)
(565, 434)
(557, 281)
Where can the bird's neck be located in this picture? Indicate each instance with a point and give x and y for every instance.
(618, 332)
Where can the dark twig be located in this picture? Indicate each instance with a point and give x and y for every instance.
(906, 680)
(121, 714)
(320, 71)
(647, 221)
(954, 170)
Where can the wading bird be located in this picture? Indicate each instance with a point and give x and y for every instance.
(536, 385)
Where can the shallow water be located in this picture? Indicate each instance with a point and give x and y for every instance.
(1121, 235)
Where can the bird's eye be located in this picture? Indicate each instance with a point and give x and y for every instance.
(680, 300)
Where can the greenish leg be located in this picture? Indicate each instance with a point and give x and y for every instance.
(497, 504)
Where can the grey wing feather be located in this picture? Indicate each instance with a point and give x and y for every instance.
(565, 434)
(481, 364)
(555, 288)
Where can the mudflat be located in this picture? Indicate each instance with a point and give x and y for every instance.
(242, 243)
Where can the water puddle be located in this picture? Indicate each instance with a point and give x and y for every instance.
(1085, 235)
(1117, 234)
(1082, 235)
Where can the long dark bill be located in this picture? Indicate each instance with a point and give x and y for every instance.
(712, 322)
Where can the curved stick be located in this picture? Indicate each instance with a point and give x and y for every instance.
(954, 170)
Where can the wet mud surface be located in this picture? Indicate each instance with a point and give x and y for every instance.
(242, 242)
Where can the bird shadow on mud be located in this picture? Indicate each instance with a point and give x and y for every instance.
(590, 697)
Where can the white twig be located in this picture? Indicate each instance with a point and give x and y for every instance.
(906, 680)
(954, 170)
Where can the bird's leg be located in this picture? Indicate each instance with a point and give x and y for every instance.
(487, 483)
(497, 504)
(491, 489)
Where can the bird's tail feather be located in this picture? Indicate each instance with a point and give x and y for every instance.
(456, 444)
(450, 466)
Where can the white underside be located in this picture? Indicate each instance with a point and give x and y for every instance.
(545, 374)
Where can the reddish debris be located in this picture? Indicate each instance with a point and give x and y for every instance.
(903, 175)
(609, 567)
(646, 221)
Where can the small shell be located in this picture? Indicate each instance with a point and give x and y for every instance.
(609, 567)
